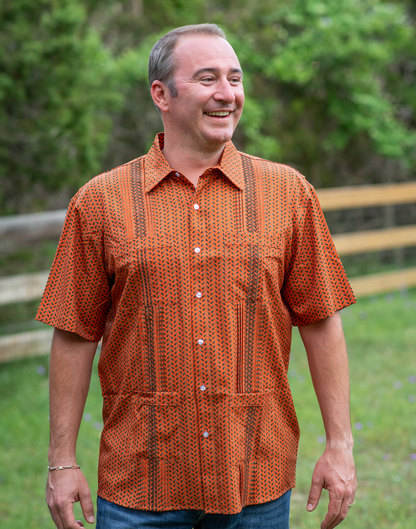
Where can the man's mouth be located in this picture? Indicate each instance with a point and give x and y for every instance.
(219, 113)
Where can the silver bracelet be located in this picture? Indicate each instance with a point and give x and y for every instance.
(63, 468)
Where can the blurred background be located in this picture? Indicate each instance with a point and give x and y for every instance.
(330, 90)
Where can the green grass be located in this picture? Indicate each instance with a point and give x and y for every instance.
(381, 336)
(24, 425)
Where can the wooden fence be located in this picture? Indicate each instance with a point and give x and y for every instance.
(374, 240)
(28, 287)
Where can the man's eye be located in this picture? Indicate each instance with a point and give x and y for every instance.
(207, 79)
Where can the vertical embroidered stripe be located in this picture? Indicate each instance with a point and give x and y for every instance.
(138, 199)
(252, 213)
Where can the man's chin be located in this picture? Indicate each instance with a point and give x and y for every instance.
(219, 139)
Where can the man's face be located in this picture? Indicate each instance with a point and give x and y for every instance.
(210, 94)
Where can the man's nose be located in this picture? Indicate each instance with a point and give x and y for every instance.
(225, 92)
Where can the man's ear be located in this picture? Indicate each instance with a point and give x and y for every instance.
(160, 95)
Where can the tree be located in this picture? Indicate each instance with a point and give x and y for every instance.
(327, 83)
(57, 88)
(322, 81)
(329, 86)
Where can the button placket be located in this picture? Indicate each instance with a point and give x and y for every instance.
(199, 308)
(197, 249)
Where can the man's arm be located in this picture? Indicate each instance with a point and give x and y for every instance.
(335, 471)
(69, 381)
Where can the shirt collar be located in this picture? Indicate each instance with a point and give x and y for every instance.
(231, 166)
(157, 167)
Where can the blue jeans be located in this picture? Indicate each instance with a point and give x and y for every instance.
(271, 515)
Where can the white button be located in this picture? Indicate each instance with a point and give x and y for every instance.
(202, 388)
(205, 434)
(177, 174)
(198, 295)
(196, 206)
(197, 250)
(200, 341)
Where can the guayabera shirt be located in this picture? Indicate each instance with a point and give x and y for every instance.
(194, 292)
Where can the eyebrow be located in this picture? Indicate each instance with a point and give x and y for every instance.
(215, 70)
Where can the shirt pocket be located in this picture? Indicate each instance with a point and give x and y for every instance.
(159, 416)
(253, 265)
(248, 416)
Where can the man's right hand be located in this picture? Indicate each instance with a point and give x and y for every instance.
(69, 379)
(63, 489)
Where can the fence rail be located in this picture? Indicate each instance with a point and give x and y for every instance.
(25, 287)
(25, 344)
(384, 282)
(373, 240)
(353, 197)
(28, 287)
(18, 229)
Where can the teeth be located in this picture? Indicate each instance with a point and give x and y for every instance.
(219, 114)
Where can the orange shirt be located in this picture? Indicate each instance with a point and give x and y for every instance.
(195, 292)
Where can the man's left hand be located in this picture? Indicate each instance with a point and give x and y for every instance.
(335, 471)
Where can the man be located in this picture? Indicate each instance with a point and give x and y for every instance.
(193, 262)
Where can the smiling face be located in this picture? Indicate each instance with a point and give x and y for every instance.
(210, 95)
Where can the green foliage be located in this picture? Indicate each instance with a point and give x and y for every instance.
(327, 66)
(380, 333)
(329, 85)
(57, 88)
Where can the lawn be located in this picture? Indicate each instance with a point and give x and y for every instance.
(381, 337)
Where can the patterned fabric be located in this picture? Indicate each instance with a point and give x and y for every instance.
(195, 292)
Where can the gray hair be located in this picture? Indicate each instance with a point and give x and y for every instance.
(161, 63)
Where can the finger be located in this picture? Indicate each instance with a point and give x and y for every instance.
(341, 516)
(56, 518)
(314, 494)
(352, 498)
(61, 520)
(87, 506)
(67, 516)
(345, 507)
(337, 510)
(330, 519)
(53, 509)
(334, 509)
(347, 501)
(340, 502)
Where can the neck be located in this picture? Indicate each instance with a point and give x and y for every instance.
(188, 161)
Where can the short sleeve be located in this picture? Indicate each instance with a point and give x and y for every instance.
(316, 285)
(77, 295)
